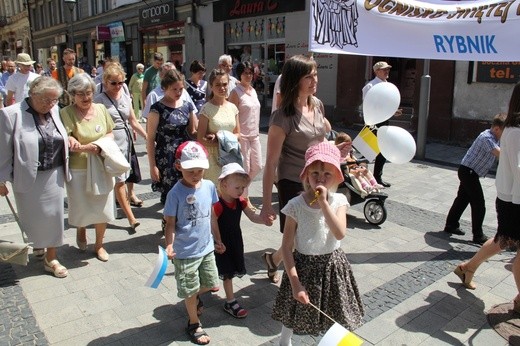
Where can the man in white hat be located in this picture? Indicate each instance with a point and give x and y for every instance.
(381, 71)
(18, 84)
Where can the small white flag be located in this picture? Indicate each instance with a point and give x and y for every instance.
(159, 269)
(337, 335)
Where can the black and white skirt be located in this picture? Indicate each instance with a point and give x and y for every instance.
(331, 286)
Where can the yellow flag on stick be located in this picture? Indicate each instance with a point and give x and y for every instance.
(337, 335)
(366, 143)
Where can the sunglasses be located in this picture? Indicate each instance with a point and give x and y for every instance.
(117, 83)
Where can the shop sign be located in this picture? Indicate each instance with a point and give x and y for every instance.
(498, 72)
(157, 14)
(103, 33)
(59, 39)
(117, 32)
(234, 9)
(119, 3)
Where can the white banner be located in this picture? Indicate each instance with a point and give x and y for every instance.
(445, 30)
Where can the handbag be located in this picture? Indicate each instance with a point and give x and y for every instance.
(135, 170)
(11, 252)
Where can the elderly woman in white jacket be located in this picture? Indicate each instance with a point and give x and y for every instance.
(34, 158)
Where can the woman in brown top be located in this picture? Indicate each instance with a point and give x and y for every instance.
(298, 123)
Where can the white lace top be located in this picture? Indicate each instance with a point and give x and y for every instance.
(313, 236)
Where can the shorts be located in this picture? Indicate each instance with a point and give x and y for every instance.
(192, 274)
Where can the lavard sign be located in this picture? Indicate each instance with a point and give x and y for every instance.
(448, 30)
(234, 9)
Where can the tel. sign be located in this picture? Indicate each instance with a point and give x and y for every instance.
(157, 15)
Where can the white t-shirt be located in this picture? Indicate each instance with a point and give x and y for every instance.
(157, 94)
(276, 93)
(19, 84)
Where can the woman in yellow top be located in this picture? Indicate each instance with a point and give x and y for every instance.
(216, 114)
(85, 123)
(136, 87)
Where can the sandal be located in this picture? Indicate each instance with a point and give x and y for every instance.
(55, 268)
(195, 332)
(466, 276)
(235, 310)
(39, 254)
(272, 269)
(133, 225)
(200, 306)
(136, 202)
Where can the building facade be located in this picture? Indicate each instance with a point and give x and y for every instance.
(464, 95)
(15, 34)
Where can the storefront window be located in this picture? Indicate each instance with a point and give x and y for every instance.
(168, 41)
(260, 41)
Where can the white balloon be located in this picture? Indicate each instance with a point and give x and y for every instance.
(380, 103)
(396, 144)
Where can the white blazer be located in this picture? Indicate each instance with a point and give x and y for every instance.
(19, 146)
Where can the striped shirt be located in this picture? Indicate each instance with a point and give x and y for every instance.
(480, 156)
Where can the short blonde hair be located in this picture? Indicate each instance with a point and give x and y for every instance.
(111, 70)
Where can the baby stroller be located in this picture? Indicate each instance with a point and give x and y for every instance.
(374, 209)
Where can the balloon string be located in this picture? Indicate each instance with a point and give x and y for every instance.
(330, 318)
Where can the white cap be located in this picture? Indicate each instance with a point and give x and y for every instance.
(192, 154)
(231, 168)
(380, 65)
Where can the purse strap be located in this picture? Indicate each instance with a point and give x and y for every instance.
(128, 133)
(24, 236)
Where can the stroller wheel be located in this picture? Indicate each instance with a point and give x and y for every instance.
(375, 212)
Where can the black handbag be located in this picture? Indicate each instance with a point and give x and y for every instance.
(135, 170)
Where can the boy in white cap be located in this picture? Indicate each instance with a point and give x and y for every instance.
(17, 85)
(233, 181)
(189, 241)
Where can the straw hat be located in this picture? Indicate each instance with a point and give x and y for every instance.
(24, 59)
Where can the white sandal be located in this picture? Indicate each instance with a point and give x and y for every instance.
(55, 268)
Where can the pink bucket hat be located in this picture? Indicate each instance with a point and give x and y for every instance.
(324, 152)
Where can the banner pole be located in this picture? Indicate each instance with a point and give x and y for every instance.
(424, 107)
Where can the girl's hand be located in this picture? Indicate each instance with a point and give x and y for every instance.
(154, 174)
(268, 214)
(300, 293)
(220, 248)
(210, 137)
(322, 191)
(4, 191)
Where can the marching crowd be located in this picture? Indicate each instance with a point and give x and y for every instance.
(65, 130)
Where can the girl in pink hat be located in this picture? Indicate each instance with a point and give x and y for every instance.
(317, 272)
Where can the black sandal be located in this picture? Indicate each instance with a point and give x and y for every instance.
(272, 269)
(235, 310)
(136, 202)
(195, 335)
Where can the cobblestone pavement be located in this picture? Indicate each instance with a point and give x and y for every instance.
(403, 268)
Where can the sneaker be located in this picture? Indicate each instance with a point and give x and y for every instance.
(480, 239)
(456, 231)
(235, 310)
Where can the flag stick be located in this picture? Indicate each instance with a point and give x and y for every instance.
(324, 314)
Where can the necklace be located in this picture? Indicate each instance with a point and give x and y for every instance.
(84, 114)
